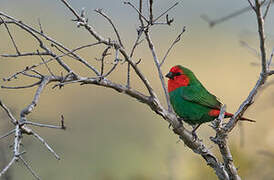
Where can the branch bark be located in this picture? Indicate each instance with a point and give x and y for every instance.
(224, 170)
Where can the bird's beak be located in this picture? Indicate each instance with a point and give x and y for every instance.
(169, 75)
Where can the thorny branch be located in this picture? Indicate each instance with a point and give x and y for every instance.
(57, 52)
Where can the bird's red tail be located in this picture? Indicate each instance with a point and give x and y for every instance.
(216, 112)
(241, 118)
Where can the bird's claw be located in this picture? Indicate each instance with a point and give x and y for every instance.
(195, 137)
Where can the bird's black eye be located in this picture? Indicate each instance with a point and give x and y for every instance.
(177, 74)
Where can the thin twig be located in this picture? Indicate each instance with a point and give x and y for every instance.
(98, 37)
(136, 43)
(263, 75)
(32, 75)
(43, 125)
(156, 61)
(139, 12)
(13, 41)
(251, 5)
(8, 166)
(34, 102)
(29, 168)
(7, 134)
(21, 87)
(270, 73)
(104, 54)
(267, 9)
(266, 153)
(270, 59)
(63, 51)
(252, 50)
(25, 54)
(232, 15)
(116, 60)
(45, 63)
(112, 24)
(45, 144)
(150, 12)
(40, 26)
(221, 140)
(166, 11)
(178, 38)
(6, 109)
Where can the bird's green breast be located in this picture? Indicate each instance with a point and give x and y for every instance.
(191, 112)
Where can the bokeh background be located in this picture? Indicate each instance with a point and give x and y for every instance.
(113, 137)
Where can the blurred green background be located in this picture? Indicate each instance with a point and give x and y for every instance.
(113, 137)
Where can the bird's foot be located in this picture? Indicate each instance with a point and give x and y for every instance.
(180, 120)
(195, 137)
(193, 132)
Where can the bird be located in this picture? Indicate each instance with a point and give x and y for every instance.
(191, 101)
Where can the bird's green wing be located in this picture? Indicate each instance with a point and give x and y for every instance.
(199, 95)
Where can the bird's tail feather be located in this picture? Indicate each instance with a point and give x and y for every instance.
(241, 118)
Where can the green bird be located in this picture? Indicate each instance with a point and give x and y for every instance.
(190, 99)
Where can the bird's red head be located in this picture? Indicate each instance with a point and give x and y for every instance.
(177, 78)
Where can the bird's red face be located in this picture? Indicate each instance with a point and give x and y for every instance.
(177, 78)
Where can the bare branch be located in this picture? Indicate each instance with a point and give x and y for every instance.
(7, 134)
(156, 61)
(91, 30)
(31, 106)
(270, 60)
(232, 15)
(140, 16)
(45, 63)
(104, 54)
(251, 5)
(44, 125)
(150, 12)
(8, 166)
(199, 148)
(115, 63)
(174, 42)
(6, 109)
(263, 75)
(33, 33)
(214, 22)
(221, 140)
(270, 73)
(26, 54)
(267, 9)
(36, 75)
(29, 168)
(21, 87)
(13, 41)
(174, 5)
(261, 35)
(112, 24)
(136, 43)
(40, 26)
(49, 60)
(226, 170)
(266, 153)
(252, 50)
(139, 12)
(45, 144)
